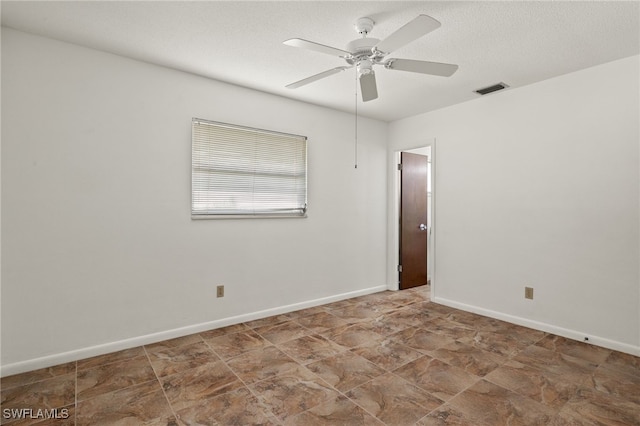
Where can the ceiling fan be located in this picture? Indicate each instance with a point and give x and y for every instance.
(365, 53)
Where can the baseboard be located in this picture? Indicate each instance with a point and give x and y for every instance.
(548, 328)
(61, 358)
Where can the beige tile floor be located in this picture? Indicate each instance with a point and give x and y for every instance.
(391, 358)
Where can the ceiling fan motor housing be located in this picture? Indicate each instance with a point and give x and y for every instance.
(362, 55)
(362, 46)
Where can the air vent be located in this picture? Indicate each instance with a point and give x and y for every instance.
(491, 89)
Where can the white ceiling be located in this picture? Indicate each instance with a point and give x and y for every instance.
(240, 42)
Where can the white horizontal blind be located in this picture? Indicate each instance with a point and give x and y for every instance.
(243, 172)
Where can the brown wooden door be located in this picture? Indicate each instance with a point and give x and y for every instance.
(413, 220)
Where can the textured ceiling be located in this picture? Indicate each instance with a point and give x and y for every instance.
(240, 42)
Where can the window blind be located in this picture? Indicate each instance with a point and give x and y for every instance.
(243, 172)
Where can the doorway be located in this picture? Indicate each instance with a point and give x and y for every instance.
(412, 271)
(415, 219)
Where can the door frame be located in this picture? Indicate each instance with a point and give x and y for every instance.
(393, 253)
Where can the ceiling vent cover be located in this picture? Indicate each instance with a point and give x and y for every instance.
(491, 89)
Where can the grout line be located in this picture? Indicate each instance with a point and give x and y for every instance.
(386, 371)
(244, 384)
(75, 399)
(160, 384)
(341, 393)
(117, 361)
(350, 350)
(4, 387)
(299, 364)
(248, 388)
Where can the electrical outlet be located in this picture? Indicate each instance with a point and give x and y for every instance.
(528, 292)
(220, 291)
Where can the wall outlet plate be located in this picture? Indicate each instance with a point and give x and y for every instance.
(528, 292)
(220, 291)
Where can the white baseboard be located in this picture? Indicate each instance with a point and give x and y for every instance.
(61, 358)
(548, 328)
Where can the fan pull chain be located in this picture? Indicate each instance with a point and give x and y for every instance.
(356, 121)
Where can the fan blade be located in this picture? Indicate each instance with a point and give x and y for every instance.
(422, 67)
(368, 87)
(415, 29)
(316, 77)
(317, 47)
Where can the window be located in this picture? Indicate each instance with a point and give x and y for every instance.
(244, 172)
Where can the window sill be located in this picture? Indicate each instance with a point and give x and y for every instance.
(246, 216)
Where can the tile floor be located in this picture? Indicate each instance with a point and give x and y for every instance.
(391, 358)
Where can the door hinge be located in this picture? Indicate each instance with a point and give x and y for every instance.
(399, 166)
(399, 268)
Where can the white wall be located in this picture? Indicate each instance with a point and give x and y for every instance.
(99, 250)
(539, 186)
